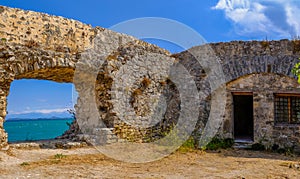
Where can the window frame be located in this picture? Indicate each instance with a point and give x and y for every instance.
(290, 108)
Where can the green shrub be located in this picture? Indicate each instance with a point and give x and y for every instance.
(258, 147)
(285, 150)
(3, 40)
(188, 145)
(59, 156)
(217, 143)
(24, 164)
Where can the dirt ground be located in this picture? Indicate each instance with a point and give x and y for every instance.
(87, 162)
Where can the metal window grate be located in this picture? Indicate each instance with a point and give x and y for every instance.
(295, 110)
(287, 109)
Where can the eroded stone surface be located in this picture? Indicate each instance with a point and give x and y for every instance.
(264, 86)
(39, 46)
(269, 65)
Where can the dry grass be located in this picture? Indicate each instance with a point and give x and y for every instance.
(88, 159)
(296, 45)
(113, 56)
(31, 44)
(146, 82)
(3, 171)
(88, 163)
(265, 44)
(136, 93)
(163, 83)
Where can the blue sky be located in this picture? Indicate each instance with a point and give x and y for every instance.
(215, 20)
(39, 96)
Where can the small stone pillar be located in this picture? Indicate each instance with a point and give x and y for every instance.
(3, 104)
(5, 80)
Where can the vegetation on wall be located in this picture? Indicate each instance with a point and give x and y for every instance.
(296, 70)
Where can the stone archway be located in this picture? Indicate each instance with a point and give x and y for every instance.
(40, 46)
(36, 45)
(26, 63)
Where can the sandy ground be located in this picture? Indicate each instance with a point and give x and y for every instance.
(87, 162)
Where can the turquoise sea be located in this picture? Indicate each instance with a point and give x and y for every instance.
(35, 129)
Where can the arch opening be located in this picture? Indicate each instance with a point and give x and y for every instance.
(38, 109)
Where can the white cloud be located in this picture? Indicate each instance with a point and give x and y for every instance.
(293, 17)
(43, 111)
(275, 18)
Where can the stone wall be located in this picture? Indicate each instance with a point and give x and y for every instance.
(261, 67)
(147, 68)
(264, 86)
(40, 46)
(35, 45)
(48, 32)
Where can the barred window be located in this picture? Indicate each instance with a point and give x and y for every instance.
(287, 109)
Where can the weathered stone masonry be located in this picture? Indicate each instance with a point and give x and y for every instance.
(261, 68)
(263, 86)
(39, 46)
(35, 45)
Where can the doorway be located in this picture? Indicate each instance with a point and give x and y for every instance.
(243, 116)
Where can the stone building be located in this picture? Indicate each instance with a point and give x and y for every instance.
(262, 94)
(262, 97)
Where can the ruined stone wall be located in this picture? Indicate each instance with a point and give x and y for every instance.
(238, 60)
(140, 77)
(48, 32)
(39, 46)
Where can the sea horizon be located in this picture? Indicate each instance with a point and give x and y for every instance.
(27, 129)
(33, 119)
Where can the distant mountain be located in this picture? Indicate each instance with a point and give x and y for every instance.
(53, 115)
